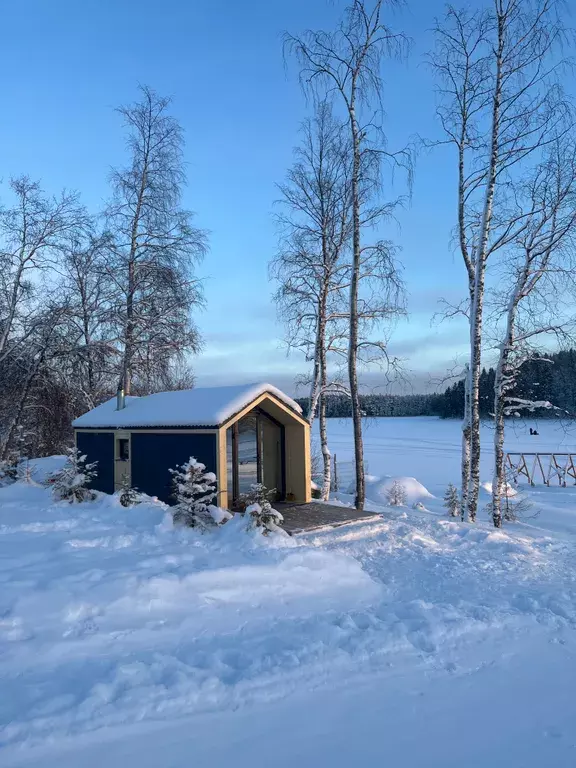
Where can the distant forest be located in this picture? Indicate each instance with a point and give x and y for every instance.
(551, 378)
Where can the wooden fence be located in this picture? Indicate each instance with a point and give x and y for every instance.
(549, 467)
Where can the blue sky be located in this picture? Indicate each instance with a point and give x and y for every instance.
(67, 65)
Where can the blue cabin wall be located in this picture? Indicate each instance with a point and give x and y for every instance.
(154, 454)
(99, 446)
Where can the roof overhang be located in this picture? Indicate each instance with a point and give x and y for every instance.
(272, 405)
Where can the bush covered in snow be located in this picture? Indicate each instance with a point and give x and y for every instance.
(129, 496)
(396, 494)
(452, 501)
(9, 470)
(194, 492)
(514, 510)
(258, 507)
(69, 483)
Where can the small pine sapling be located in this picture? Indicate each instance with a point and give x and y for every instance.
(194, 492)
(452, 501)
(396, 494)
(258, 506)
(128, 496)
(69, 484)
(9, 469)
(25, 472)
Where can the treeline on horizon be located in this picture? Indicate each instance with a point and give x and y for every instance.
(550, 378)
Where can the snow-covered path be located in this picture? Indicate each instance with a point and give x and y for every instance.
(500, 713)
(411, 640)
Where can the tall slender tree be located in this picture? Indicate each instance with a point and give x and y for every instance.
(500, 106)
(347, 63)
(538, 273)
(314, 227)
(154, 245)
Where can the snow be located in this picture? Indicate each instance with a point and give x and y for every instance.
(411, 639)
(378, 490)
(201, 406)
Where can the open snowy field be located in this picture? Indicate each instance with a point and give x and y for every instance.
(408, 641)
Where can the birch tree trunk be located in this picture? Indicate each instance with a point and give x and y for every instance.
(476, 310)
(326, 456)
(499, 480)
(353, 338)
(466, 432)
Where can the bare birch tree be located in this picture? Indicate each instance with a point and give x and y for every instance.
(32, 233)
(539, 269)
(500, 104)
(92, 359)
(315, 227)
(154, 245)
(347, 64)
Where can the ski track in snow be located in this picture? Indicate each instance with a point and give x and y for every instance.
(108, 616)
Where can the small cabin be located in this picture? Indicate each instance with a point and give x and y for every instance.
(244, 434)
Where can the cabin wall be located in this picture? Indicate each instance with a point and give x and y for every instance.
(155, 453)
(99, 446)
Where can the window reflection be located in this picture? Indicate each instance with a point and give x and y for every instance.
(247, 453)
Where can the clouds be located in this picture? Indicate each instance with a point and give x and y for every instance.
(245, 344)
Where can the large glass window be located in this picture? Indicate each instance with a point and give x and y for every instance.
(247, 453)
(253, 455)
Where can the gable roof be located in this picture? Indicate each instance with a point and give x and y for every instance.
(199, 407)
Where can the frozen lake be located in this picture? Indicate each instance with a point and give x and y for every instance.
(428, 448)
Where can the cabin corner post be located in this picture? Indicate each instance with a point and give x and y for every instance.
(298, 465)
(308, 463)
(221, 469)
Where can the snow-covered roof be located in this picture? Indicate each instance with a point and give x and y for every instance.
(202, 406)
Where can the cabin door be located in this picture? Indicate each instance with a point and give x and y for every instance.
(122, 451)
(254, 447)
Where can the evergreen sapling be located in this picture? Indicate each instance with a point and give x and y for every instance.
(194, 492)
(69, 484)
(452, 501)
(9, 469)
(129, 496)
(396, 494)
(259, 509)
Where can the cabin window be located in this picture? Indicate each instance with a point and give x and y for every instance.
(123, 448)
(254, 453)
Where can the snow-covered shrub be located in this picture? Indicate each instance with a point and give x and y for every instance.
(69, 483)
(25, 473)
(517, 509)
(452, 501)
(258, 507)
(9, 470)
(258, 494)
(194, 492)
(396, 494)
(219, 515)
(128, 496)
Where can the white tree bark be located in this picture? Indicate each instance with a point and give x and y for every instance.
(465, 461)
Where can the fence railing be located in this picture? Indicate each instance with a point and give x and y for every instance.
(550, 467)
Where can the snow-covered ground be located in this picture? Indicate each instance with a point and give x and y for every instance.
(407, 641)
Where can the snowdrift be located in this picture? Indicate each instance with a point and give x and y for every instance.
(377, 490)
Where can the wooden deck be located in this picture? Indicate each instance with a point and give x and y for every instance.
(307, 517)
